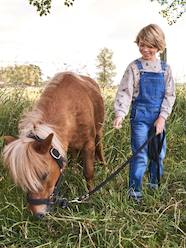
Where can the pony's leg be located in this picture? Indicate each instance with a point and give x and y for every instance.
(74, 156)
(88, 157)
(99, 148)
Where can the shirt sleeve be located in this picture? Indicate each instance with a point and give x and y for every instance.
(124, 94)
(169, 99)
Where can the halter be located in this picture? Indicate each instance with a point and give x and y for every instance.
(53, 198)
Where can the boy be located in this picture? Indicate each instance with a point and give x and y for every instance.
(148, 86)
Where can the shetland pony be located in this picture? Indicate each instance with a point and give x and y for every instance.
(69, 115)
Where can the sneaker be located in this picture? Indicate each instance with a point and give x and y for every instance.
(153, 186)
(134, 195)
(136, 199)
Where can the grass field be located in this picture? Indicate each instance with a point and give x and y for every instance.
(109, 219)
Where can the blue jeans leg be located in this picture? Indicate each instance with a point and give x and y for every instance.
(139, 134)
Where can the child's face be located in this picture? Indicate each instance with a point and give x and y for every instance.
(147, 52)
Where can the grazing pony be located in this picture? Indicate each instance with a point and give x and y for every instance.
(68, 115)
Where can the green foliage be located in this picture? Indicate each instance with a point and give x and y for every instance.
(12, 104)
(109, 219)
(43, 7)
(105, 68)
(172, 10)
(21, 74)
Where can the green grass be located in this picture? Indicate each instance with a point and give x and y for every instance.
(108, 219)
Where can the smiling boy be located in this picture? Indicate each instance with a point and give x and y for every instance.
(148, 86)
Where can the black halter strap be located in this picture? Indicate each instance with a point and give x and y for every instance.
(60, 160)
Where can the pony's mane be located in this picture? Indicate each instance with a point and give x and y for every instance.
(25, 165)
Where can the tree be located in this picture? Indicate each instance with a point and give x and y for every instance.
(21, 74)
(172, 9)
(106, 68)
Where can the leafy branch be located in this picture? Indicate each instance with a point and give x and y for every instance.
(172, 10)
(43, 7)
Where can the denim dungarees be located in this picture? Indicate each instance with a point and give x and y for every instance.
(145, 110)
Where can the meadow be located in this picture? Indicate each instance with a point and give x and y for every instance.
(108, 219)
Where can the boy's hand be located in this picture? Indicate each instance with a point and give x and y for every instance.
(117, 122)
(159, 124)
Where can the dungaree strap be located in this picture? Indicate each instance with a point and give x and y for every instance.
(139, 64)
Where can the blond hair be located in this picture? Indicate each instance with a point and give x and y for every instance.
(152, 35)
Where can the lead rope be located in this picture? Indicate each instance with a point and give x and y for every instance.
(64, 202)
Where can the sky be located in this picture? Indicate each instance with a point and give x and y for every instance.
(71, 38)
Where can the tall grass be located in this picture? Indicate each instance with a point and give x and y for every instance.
(109, 219)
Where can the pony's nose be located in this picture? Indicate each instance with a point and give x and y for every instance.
(39, 216)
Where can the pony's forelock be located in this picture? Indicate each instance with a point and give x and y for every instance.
(25, 165)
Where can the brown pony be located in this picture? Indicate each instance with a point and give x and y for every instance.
(68, 115)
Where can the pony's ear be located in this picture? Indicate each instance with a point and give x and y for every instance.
(43, 146)
(8, 139)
